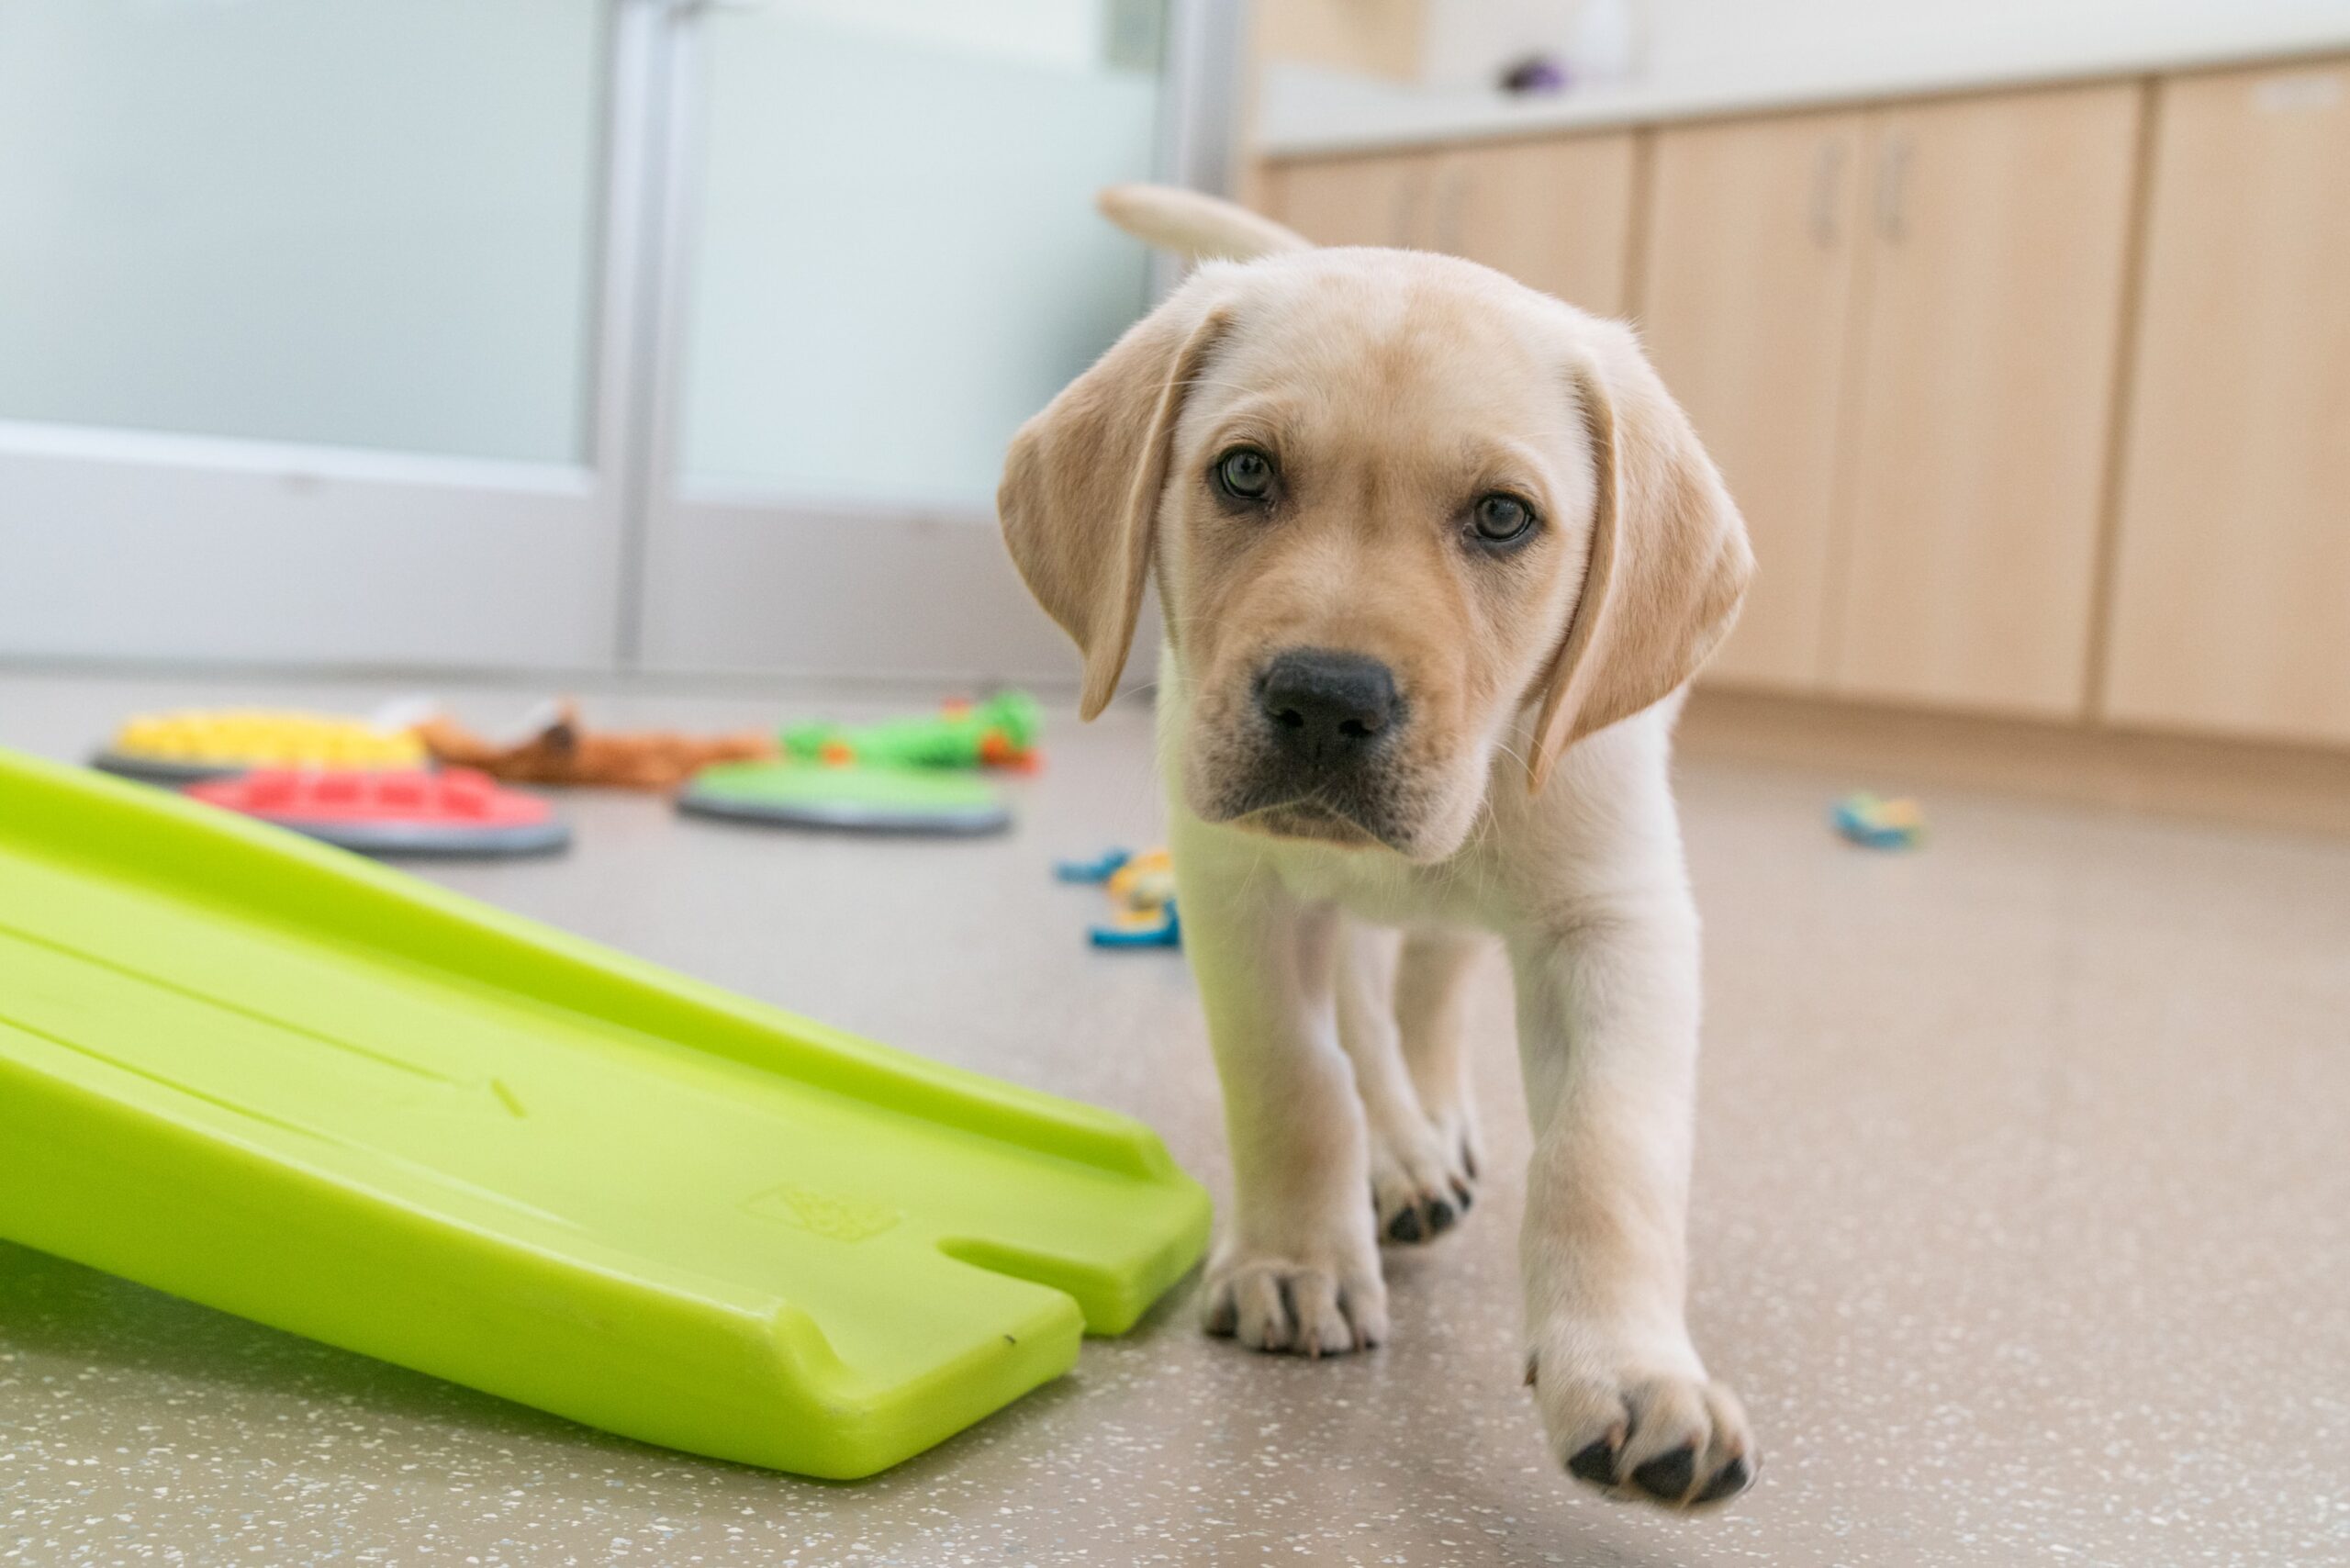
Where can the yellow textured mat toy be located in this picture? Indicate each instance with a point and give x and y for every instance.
(204, 743)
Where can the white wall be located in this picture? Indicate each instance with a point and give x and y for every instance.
(1718, 41)
(1740, 42)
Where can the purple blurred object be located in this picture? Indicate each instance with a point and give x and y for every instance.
(1536, 73)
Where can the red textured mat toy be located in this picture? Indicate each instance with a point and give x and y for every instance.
(454, 811)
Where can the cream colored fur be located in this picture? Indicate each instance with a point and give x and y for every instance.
(1523, 800)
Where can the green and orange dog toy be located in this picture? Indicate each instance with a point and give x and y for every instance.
(999, 732)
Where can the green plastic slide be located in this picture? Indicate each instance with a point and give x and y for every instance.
(280, 1079)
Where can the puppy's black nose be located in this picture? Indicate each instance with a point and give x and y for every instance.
(1326, 707)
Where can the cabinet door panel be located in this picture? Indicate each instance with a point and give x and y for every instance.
(1745, 296)
(1983, 409)
(1555, 215)
(2232, 607)
(1353, 201)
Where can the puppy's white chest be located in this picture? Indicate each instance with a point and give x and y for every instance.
(1381, 888)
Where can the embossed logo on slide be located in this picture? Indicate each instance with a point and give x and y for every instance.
(829, 1215)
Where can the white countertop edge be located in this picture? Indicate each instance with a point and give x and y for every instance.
(1303, 111)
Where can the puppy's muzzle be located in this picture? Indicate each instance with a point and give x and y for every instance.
(1328, 715)
(1322, 756)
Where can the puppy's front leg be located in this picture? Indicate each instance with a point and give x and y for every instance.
(1608, 1028)
(1297, 1267)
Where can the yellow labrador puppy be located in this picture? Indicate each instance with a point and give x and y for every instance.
(1437, 555)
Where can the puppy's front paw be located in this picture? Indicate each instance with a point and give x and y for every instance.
(1306, 1308)
(1661, 1435)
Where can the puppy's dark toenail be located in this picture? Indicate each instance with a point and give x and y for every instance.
(1733, 1480)
(1440, 1217)
(1596, 1464)
(1668, 1474)
(1405, 1226)
(1468, 1162)
(1463, 1196)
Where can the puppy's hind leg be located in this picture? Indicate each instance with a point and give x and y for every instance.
(1432, 992)
(1419, 1184)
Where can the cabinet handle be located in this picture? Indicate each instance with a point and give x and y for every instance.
(1892, 183)
(1453, 189)
(1826, 177)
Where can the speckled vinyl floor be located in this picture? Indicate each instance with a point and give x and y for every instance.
(2022, 1221)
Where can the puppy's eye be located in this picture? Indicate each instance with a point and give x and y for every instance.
(1245, 474)
(1501, 519)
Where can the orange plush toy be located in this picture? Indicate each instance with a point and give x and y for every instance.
(563, 751)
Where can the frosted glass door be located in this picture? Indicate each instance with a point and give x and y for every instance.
(889, 258)
(301, 310)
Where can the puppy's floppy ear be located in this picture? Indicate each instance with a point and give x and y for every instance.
(1082, 487)
(1669, 559)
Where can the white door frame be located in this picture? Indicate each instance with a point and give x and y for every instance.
(743, 581)
(137, 547)
(122, 546)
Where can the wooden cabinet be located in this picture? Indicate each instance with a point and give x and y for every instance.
(2232, 603)
(1556, 214)
(1992, 377)
(1376, 200)
(1746, 304)
(1979, 436)
(1897, 331)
